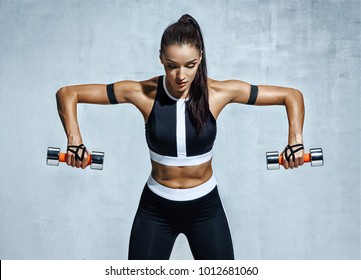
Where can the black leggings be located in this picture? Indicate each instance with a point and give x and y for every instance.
(159, 221)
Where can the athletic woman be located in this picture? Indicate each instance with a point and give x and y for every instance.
(180, 110)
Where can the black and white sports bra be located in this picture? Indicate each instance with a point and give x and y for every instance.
(171, 136)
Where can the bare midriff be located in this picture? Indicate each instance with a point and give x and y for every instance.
(182, 177)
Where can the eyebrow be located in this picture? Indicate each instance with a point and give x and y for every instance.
(191, 61)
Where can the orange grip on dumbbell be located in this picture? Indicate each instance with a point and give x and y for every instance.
(306, 158)
(62, 158)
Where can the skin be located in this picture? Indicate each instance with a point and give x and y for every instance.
(180, 65)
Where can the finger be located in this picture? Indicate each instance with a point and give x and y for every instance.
(302, 161)
(77, 163)
(285, 162)
(291, 162)
(68, 158)
(72, 161)
(299, 159)
(296, 162)
(84, 163)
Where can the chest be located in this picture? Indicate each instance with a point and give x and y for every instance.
(170, 130)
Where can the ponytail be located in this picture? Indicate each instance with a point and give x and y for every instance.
(187, 31)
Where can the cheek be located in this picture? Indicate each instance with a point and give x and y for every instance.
(170, 72)
(192, 73)
(167, 70)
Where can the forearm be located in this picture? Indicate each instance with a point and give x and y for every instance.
(296, 113)
(67, 101)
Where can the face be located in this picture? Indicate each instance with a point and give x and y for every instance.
(180, 64)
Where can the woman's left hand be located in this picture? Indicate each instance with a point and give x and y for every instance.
(293, 155)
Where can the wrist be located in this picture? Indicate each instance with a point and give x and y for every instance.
(74, 139)
(295, 139)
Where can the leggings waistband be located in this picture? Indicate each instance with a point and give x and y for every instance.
(181, 194)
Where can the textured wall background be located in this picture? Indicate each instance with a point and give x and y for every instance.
(64, 213)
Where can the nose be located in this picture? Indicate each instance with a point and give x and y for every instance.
(180, 74)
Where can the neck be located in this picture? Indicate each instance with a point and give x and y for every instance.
(178, 94)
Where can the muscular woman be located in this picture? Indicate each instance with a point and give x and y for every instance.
(180, 110)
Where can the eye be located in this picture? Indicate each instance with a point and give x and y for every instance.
(172, 66)
(190, 66)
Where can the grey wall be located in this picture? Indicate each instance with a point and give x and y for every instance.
(63, 213)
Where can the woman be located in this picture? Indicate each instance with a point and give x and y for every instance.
(180, 111)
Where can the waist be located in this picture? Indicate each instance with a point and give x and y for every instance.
(182, 194)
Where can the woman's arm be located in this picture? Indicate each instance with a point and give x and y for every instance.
(292, 99)
(68, 97)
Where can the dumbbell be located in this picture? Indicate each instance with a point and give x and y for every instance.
(54, 156)
(315, 157)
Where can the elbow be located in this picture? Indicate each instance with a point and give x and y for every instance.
(65, 93)
(299, 97)
(61, 93)
(294, 96)
(295, 104)
(298, 93)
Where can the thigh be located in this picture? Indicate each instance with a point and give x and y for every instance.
(209, 235)
(152, 237)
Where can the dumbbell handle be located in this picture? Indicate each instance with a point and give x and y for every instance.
(63, 156)
(306, 158)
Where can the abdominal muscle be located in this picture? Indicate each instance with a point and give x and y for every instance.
(182, 177)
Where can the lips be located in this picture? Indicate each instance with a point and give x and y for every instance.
(182, 84)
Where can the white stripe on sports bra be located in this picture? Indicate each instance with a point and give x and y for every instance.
(181, 160)
(181, 122)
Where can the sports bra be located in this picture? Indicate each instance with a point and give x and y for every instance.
(170, 134)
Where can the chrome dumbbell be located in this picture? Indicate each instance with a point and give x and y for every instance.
(315, 157)
(54, 156)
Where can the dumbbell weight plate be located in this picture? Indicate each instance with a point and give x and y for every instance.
(52, 157)
(316, 157)
(97, 160)
(272, 160)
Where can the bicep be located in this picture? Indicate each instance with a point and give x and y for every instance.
(272, 95)
(239, 92)
(245, 93)
(118, 92)
(91, 93)
(234, 91)
(127, 91)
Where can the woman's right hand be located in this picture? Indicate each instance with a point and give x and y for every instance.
(77, 155)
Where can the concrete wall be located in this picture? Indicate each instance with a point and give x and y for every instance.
(63, 213)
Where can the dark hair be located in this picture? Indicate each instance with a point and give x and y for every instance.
(183, 32)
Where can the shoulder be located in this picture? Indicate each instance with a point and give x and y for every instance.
(138, 86)
(129, 91)
(227, 90)
(222, 93)
(149, 87)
